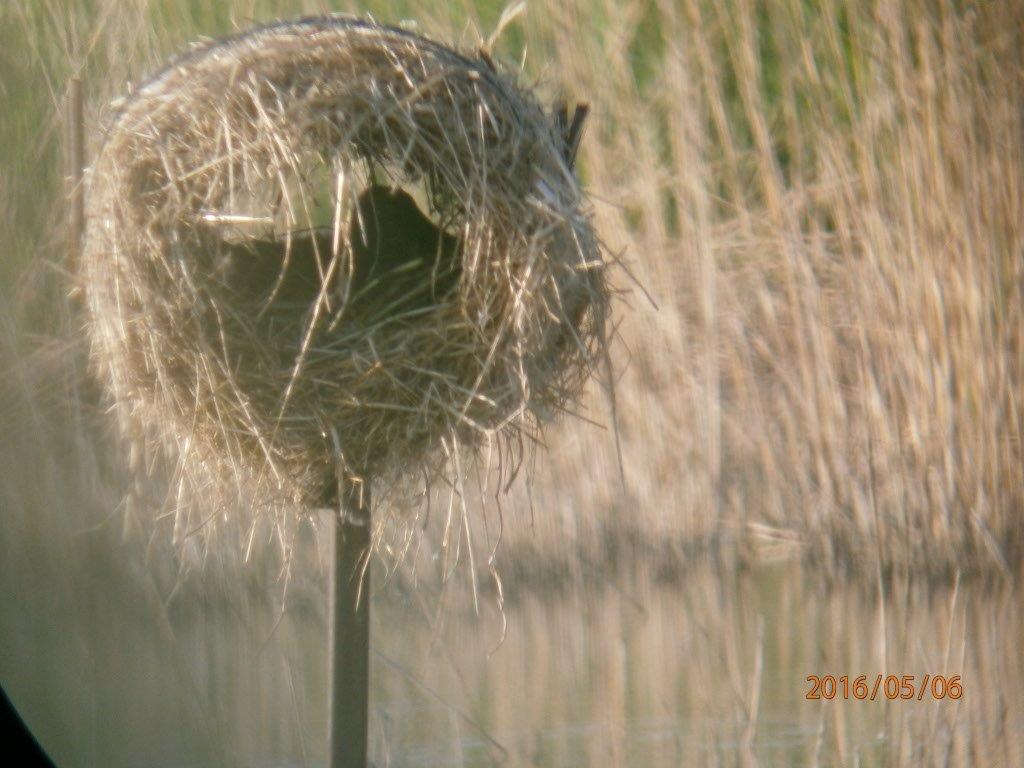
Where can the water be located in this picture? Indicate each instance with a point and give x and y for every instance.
(109, 668)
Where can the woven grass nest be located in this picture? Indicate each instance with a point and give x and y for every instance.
(232, 311)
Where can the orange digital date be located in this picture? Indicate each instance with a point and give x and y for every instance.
(892, 687)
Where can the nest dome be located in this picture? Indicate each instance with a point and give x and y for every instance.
(329, 243)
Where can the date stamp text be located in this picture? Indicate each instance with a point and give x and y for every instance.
(890, 687)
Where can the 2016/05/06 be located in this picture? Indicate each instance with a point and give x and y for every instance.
(891, 686)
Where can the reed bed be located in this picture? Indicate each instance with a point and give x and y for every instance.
(824, 205)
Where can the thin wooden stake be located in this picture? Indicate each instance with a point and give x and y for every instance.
(75, 159)
(349, 633)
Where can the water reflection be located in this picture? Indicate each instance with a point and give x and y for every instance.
(627, 670)
(711, 670)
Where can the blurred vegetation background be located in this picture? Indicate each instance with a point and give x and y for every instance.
(818, 368)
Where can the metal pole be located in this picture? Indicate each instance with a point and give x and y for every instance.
(75, 159)
(349, 633)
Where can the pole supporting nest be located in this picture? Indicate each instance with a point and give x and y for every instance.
(348, 643)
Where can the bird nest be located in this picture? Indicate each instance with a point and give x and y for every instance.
(329, 245)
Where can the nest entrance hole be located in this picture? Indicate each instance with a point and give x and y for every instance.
(341, 236)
